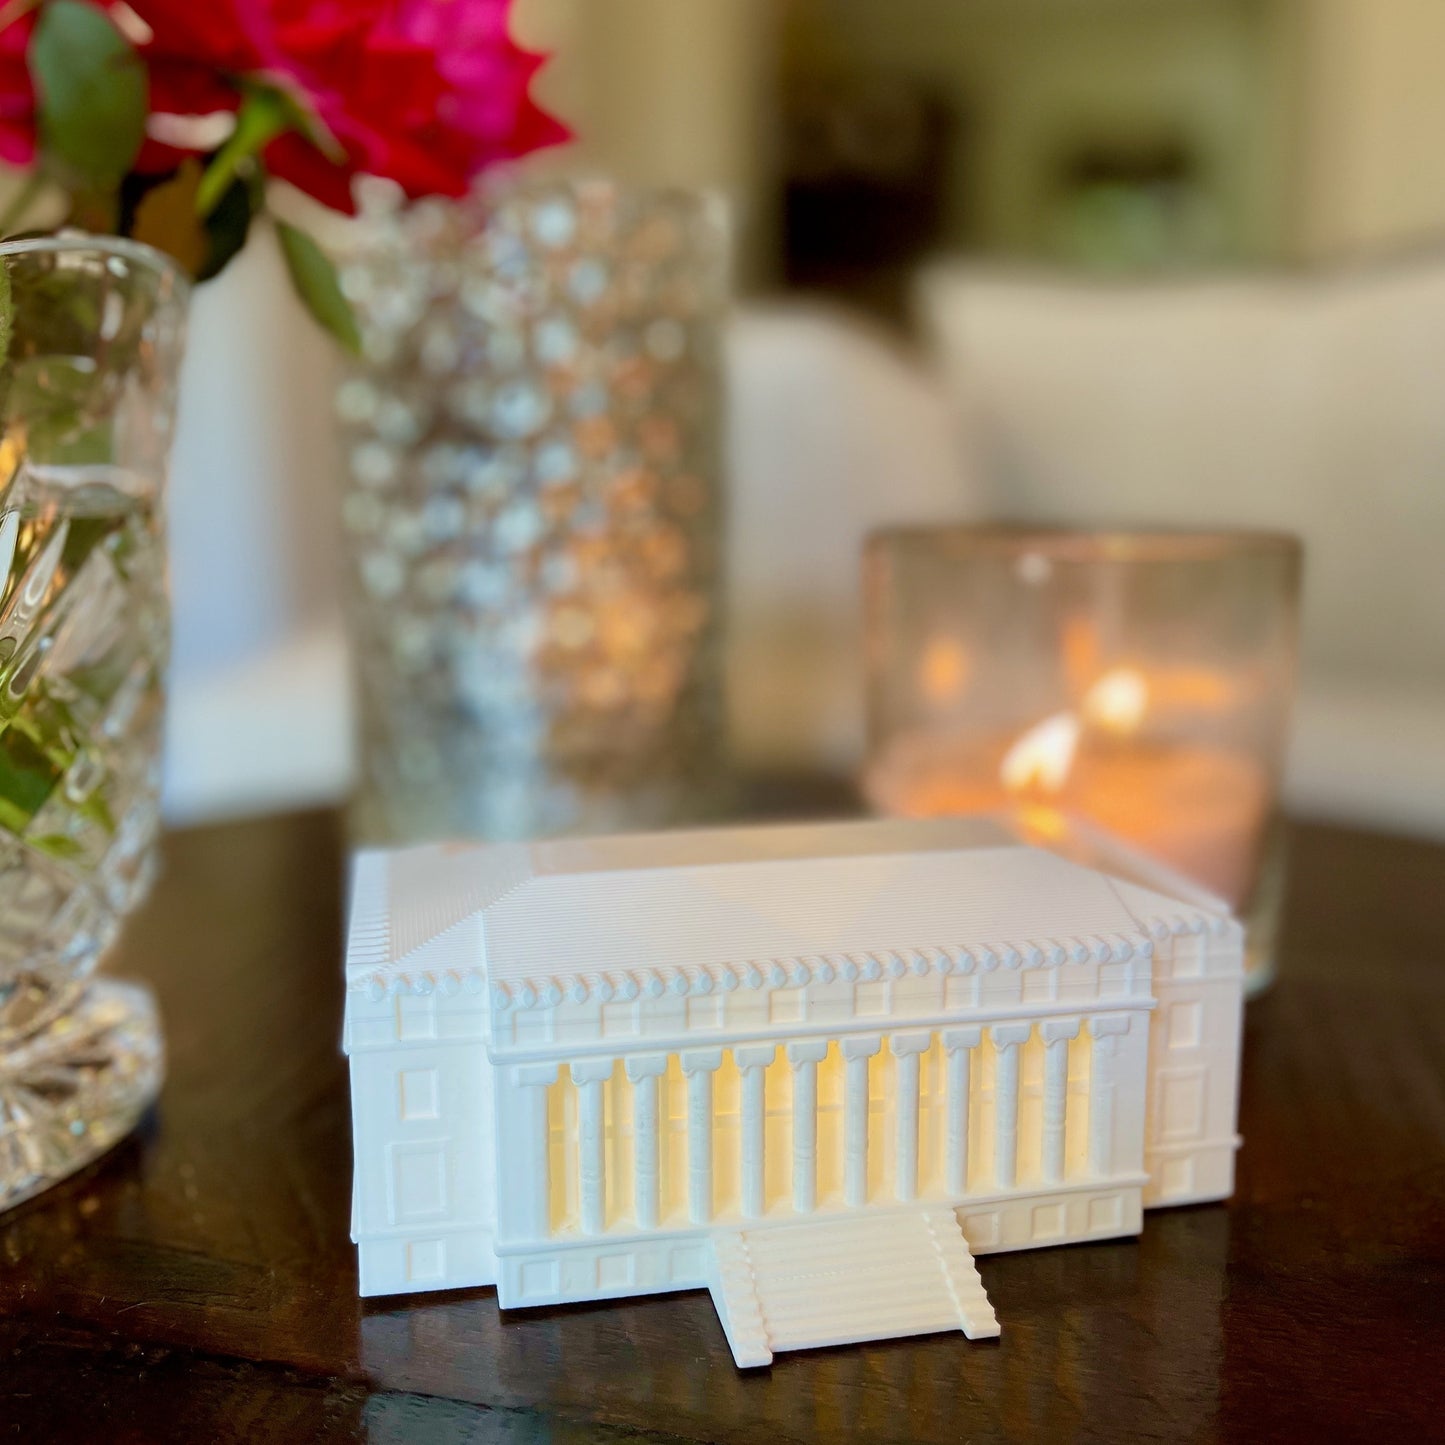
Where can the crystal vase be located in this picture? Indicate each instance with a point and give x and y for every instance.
(91, 331)
(532, 511)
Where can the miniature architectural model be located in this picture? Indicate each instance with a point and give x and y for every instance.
(814, 1070)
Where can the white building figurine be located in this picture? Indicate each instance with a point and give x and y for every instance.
(811, 1069)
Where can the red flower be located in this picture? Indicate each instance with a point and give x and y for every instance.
(17, 100)
(427, 93)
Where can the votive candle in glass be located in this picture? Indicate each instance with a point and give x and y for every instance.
(1139, 681)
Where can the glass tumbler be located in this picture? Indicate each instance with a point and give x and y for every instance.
(1141, 682)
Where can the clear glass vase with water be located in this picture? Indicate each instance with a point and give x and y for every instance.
(92, 331)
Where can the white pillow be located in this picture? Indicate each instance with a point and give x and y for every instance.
(1309, 405)
(832, 432)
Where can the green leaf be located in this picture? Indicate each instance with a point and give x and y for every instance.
(304, 120)
(62, 405)
(95, 809)
(27, 779)
(92, 93)
(314, 278)
(165, 217)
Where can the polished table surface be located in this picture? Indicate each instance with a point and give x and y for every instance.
(198, 1284)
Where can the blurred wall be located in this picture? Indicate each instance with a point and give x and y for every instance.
(1369, 125)
(675, 92)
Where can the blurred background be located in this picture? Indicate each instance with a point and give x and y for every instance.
(1092, 262)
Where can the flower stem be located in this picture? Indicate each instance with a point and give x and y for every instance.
(262, 117)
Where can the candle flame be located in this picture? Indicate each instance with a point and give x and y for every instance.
(1117, 701)
(1043, 757)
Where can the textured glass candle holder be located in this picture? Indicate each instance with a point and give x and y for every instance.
(533, 511)
(1140, 682)
(93, 331)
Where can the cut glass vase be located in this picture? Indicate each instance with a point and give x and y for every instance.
(92, 335)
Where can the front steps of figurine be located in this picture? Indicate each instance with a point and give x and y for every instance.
(844, 1281)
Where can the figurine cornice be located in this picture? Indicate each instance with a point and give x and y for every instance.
(547, 991)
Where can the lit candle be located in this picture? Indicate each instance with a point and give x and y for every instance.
(1200, 808)
(1136, 683)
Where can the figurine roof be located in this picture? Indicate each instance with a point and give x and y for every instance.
(771, 906)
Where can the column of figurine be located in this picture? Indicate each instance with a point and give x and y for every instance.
(965, 1164)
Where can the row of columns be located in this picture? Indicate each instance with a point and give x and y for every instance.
(645, 1073)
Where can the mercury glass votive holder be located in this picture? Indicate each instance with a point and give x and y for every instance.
(1140, 682)
(532, 511)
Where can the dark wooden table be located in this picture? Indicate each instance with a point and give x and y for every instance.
(198, 1285)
